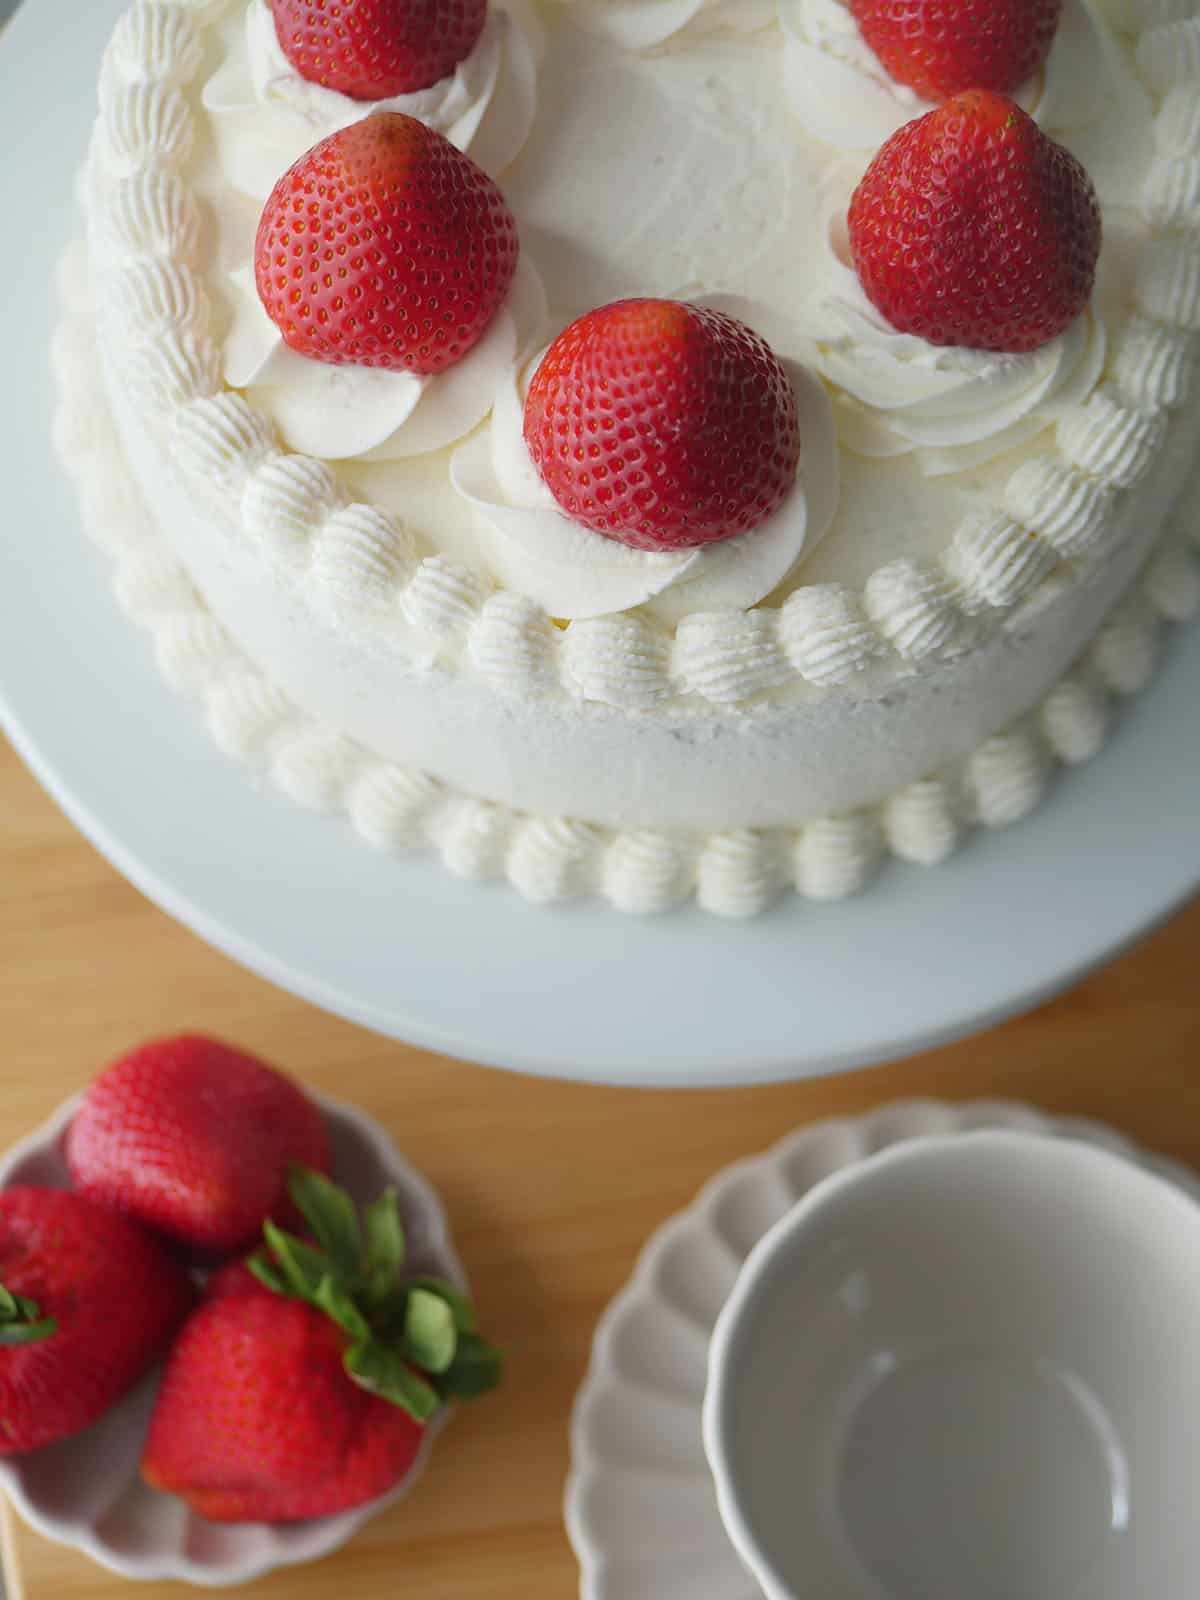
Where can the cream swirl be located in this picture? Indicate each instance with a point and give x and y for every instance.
(266, 116)
(645, 24)
(574, 573)
(954, 408)
(843, 94)
(341, 411)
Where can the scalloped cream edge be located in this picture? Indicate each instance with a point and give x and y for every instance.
(1060, 519)
(737, 873)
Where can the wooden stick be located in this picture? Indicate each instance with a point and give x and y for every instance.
(14, 1588)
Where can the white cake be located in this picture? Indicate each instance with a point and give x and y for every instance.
(362, 578)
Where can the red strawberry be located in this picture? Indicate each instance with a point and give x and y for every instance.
(235, 1277)
(971, 227)
(374, 49)
(306, 1390)
(663, 425)
(194, 1138)
(385, 246)
(938, 47)
(257, 1421)
(88, 1302)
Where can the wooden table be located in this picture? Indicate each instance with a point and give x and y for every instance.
(552, 1188)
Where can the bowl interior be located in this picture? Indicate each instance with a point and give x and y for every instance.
(969, 1367)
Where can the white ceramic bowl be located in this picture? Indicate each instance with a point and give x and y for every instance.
(86, 1491)
(966, 1369)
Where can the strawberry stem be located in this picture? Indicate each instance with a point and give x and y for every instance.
(412, 1343)
(21, 1321)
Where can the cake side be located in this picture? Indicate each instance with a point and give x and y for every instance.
(733, 872)
(684, 766)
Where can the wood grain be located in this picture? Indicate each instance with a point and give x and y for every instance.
(552, 1188)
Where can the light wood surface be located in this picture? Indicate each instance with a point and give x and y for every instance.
(552, 1188)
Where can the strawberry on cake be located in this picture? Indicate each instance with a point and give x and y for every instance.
(648, 447)
(376, 49)
(384, 247)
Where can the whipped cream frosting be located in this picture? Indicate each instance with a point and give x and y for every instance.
(843, 94)
(349, 411)
(266, 115)
(646, 24)
(735, 873)
(575, 573)
(950, 409)
(953, 408)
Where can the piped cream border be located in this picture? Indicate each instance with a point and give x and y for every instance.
(736, 873)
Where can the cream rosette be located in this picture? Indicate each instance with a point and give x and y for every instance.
(953, 408)
(574, 573)
(338, 412)
(845, 95)
(266, 116)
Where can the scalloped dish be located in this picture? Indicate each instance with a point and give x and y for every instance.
(340, 561)
(86, 1491)
(641, 1503)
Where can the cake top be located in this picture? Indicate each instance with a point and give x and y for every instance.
(725, 185)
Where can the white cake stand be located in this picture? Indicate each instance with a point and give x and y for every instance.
(399, 945)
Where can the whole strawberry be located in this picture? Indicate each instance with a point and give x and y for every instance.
(663, 425)
(374, 49)
(971, 227)
(938, 47)
(305, 1389)
(194, 1138)
(87, 1303)
(385, 246)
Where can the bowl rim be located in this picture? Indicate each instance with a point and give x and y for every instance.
(716, 1412)
(334, 1530)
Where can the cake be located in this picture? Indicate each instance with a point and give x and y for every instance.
(362, 576)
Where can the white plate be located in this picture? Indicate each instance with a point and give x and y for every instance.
(399, 945)
(641, 1505)
(86, 1491)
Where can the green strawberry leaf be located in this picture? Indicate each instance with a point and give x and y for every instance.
(397, 1331)
(385, 1245)
(335, 1302)
(463, 1310)
(301, 1267)
(269, 1275)
(430, 1334)
(329, 1212)
(476, 1369)
(385, 1373)
(14, 1307)
(27, 1332)
(21, 1321)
